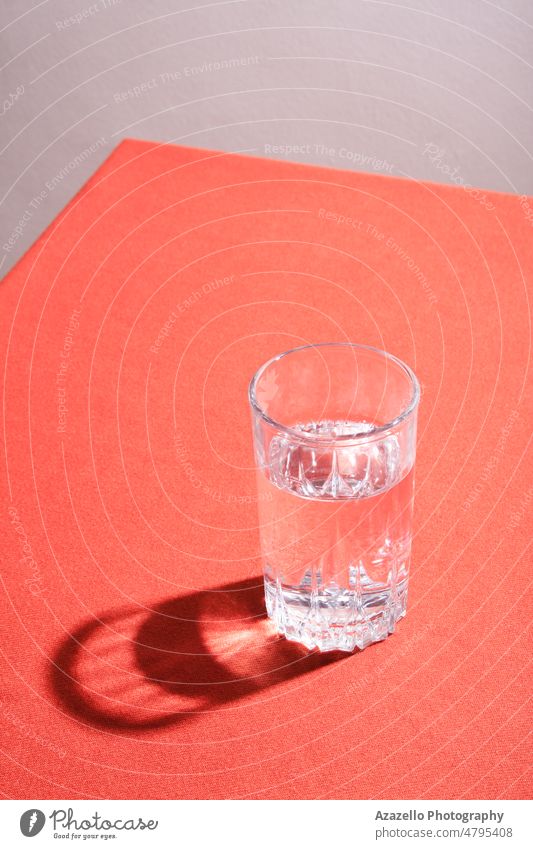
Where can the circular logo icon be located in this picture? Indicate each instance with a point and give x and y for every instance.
(32, 822)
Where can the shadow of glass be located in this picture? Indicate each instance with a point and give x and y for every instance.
(137, 668)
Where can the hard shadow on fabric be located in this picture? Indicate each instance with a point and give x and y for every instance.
(144, 668)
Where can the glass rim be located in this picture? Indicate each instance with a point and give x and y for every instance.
(313, 437)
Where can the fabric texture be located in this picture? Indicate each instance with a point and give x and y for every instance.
(137, 661)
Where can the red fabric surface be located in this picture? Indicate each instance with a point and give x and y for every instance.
(136, 657)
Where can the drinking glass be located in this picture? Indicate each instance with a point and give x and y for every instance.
(334, 429)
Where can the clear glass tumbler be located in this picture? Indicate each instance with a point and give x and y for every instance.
(335, 440)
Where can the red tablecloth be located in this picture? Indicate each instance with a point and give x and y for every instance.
(136, 658)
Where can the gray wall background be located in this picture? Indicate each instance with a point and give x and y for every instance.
(428, 90)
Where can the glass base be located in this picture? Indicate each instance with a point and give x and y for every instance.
(335, 619)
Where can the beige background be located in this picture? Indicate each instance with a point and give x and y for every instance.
(428, 90)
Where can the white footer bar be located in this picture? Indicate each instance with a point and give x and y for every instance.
(267, 824)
